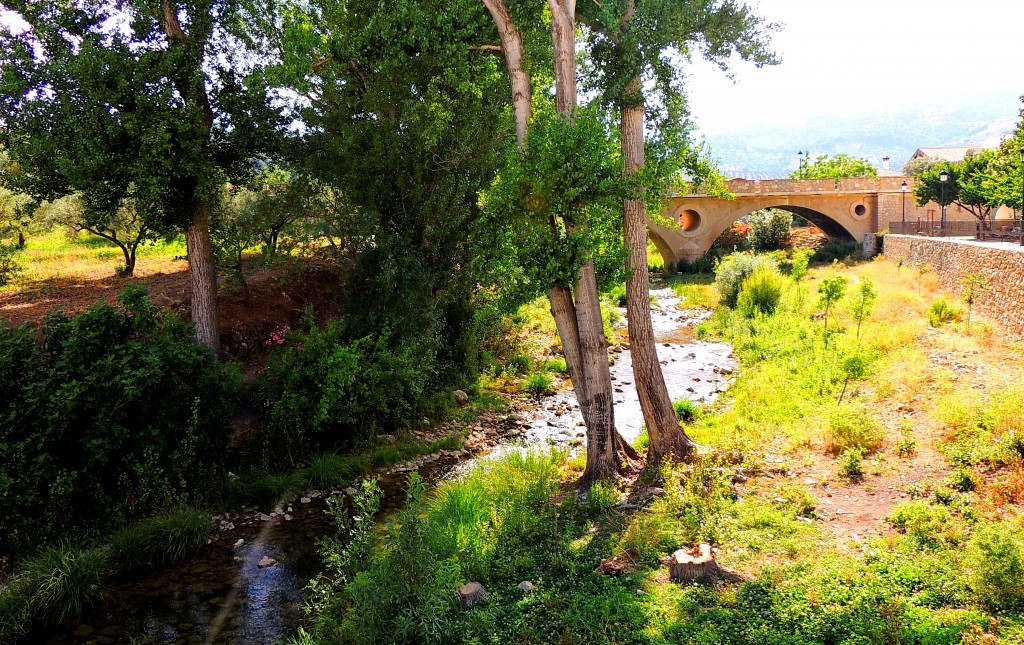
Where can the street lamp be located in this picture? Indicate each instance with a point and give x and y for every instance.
(1022, 197)
(903, 216)
(943, 178)
(800, 164)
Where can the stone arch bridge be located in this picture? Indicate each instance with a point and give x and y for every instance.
(844, 209)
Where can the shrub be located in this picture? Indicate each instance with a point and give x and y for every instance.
(9, 267)
(941, 312)
(324, 389)
(850, 464)
(687, 411)
(556, 365)
(760, 293)
(732, 239)
(832, 251)
(113, 414)
(329, 470)
(538, 384)
(996, 567)
(853, 427)
(61, 583)
(732, 270)
(164, 539)
(769, 229)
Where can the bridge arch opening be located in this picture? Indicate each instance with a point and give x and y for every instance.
(689, 220)
(831, 228)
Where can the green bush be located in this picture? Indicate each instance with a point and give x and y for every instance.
(324, 389)
(164, 539)
(941, 312)
(733, 269)
(112, 414)
(760, 293)
(9, 267)
(687, 411)
(996, 566)
(769, 229)
(832, 251)
(538, 384)
(853, 427)
(851, 464)
(61, 583)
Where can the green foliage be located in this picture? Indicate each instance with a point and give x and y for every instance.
(328, 470)
(851, 464)
(836, 167)
(798, 268)
(941, 313)
(9, 266)
(996, 566)
(116, 412)
(164, 539)
(325, 388)
(687, 411)
(556, 365)
(139, 115)
(59, 584)
(864, 297)
(830, 292)
(853, 427)
(832, 251)
(769, 229)
(474, 528)
(538, 384)
(556, 204)
(969, 184)
(919, 166)
(760, 293)
(972, 285)
(733, 269)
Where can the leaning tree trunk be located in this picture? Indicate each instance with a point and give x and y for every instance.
(666, 435)
(202, 274)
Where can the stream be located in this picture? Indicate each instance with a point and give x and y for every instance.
(247, 585)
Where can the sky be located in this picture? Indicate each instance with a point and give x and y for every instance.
(847, 58)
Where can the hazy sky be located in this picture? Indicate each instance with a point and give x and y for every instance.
(854, 57)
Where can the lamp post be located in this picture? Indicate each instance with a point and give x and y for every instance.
(903, 215)
(800, 164)
(1022, 196)
(943, 178)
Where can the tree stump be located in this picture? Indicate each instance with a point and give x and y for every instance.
(688, 565)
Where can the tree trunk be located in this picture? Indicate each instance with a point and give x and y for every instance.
(666, 436)
(519, 79)
(202, 274)
(21, 240)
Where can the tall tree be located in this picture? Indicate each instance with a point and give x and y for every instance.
(574, 299)
(633, 42)
(969, 184)
(160, 100)
(836, 167)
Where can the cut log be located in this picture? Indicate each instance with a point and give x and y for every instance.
(697, 564)
(689, 565)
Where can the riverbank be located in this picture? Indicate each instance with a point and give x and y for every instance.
(891, 516)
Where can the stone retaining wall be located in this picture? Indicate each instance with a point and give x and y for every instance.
(1002, 300)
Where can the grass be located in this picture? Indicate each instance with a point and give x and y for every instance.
(946, 567)
(57, 255)
(168, 537)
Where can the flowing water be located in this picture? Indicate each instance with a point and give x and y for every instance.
(229, 594)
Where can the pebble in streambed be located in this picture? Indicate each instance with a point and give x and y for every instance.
(693, 369)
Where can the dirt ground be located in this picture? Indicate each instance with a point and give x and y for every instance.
(278, 297)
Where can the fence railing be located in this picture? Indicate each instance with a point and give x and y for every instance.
(989, 230)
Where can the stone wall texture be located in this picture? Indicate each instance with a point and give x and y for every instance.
(1002, 300)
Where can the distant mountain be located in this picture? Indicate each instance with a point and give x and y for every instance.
(772, 151)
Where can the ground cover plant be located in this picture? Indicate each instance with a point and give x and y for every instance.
(929, 552)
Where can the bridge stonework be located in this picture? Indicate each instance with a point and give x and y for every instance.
(843, 208)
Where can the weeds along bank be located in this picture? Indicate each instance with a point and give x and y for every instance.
(943, 564)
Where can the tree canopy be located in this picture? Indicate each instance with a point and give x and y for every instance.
(836, 167)
(969, 184)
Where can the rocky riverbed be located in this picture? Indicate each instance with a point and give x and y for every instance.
(246, 586)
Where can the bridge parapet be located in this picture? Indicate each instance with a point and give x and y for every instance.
(814, 186)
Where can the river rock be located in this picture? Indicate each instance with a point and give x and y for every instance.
(461, 398)
(526, 586)
(266, 561)
(239, 542)
(471, 593)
